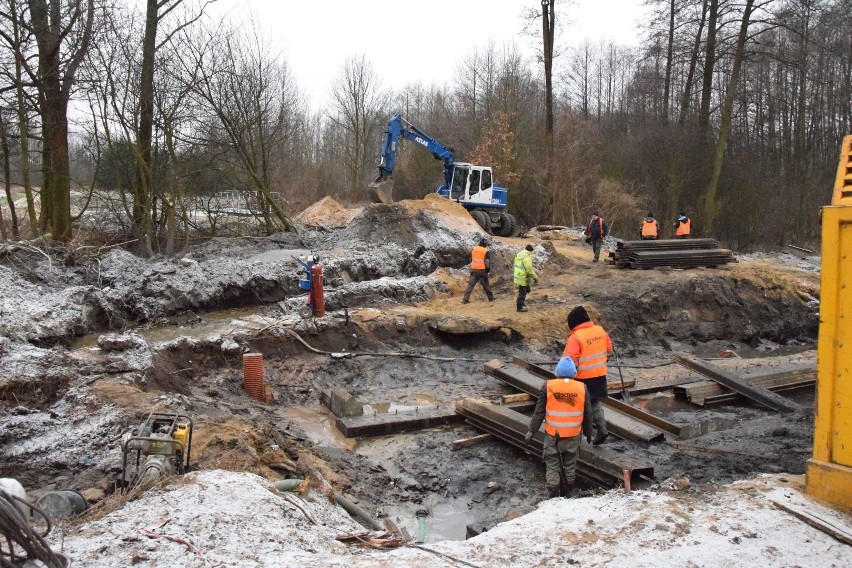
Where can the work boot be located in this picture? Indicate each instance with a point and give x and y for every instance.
(573, 491)
(491, 298)
(465, 301)
(552, 492)
(523, 309)
(600, 439)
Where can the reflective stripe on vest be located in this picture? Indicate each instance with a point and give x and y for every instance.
(477, 258)
(592, 360)
(649, 228)
(684, 228)
(566, 400)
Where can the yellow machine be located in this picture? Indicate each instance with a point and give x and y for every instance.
(829, 474)
(162, 445)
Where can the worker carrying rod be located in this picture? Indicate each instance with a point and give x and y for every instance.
(564, 407)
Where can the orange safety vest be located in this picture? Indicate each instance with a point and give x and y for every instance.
(600, 226)
(649, 228)
(593, 349)
(684, 228)
(477, 258)
(566, 399)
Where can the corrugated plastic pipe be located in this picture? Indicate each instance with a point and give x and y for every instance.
(350, 507)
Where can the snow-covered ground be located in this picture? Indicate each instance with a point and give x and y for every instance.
(219, 518)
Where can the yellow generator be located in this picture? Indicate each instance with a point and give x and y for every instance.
(162, 446)
(829, 474)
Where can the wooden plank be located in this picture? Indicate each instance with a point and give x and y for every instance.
(472, 441)
(519, 397)
(843, 534)
(381, 424)
(760, 395)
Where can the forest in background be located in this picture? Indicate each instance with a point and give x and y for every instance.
(732, 111)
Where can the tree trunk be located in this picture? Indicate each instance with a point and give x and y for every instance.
(7, 179)
(23, 124)
(548, 21)
(693, 63)
(709, 65)
(56, 70)
(710, 205)
(669, 59)
(145, 176)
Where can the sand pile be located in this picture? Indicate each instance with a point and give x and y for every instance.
(327, 213)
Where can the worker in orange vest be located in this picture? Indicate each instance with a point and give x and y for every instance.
(650, 228)
(589, 345)
(480, 266)
(564, 406)
(683, 226)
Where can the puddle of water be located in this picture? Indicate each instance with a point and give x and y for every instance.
(280, 255)
(211, 324)
(447, 519)
(386, 408)
(318, 426)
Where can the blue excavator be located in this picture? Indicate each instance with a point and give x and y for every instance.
(471, 186)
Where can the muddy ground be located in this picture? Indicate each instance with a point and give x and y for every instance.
(89, 344)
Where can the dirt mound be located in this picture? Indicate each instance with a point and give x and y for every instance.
(435, 223)
(327, 213)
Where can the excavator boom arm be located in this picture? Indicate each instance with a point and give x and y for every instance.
(399, 127)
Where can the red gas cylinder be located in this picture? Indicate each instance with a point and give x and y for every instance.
(316, 290)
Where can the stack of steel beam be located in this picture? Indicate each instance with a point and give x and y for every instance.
(678, 253)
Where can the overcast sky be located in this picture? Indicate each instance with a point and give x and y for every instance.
(408, 41)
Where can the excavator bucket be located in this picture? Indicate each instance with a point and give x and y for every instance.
(381, 191)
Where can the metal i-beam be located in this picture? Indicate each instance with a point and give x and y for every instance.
(760, 395)
(594, 462)
(630, 425)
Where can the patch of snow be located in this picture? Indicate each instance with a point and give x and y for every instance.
(235, 519)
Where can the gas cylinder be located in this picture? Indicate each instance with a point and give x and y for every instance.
(316, 290)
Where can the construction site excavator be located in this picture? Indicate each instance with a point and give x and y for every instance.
(470, 185)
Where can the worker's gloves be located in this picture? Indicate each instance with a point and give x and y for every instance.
(528, 437)
(589, 439)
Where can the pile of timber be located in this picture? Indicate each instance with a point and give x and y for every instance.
(678, 253)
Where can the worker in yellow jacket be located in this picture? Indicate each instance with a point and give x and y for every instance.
(524, 276)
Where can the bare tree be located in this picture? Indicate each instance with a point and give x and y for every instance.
(357, 109)
(710, 205)
(256, 105)
(63, 30)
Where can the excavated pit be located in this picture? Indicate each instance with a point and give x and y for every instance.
(395, 281)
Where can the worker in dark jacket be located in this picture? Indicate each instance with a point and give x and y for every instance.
(683, 226)
(649, 230)
(564, 407)
(596, 230)
(589, 345)
(480, 266)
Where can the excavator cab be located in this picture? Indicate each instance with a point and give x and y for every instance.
(473, 185)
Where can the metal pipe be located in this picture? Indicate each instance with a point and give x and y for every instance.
(350, 507)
